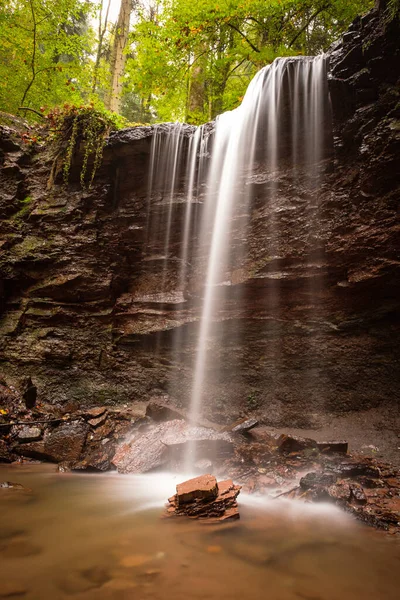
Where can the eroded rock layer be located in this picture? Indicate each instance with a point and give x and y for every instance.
(308, 326)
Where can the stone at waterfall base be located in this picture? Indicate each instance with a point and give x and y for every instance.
(204, 499)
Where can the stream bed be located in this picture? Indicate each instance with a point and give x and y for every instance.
(89, 536)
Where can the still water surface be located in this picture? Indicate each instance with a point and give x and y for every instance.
(100, 537)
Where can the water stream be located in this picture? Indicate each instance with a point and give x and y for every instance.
(87, 537)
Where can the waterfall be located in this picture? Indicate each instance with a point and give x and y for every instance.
(282, 120)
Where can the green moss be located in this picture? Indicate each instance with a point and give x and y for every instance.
(27, 246)
(26, 207)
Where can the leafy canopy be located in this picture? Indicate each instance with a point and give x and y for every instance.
(185, 60)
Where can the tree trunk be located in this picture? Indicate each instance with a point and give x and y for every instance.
(118, 57)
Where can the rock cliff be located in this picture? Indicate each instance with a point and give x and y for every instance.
(309, 325)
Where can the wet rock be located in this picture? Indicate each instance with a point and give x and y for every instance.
(245, 426)
(340, 491)
(96, 459)
(339, 447)
(314, 479)
(144, 452)
(65, 443)
(98, 421)
(355, 469)
(199, 488)
(9, 485)
(64, 467)
(161, 412)
(204, 498)
(357, 493)
(291, 443)
(168, 443)
(29, 434)
(62, 444)
(35, 450)
(95, 413)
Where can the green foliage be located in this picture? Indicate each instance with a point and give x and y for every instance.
(194, 60)
(393, 10)
(185, 61)
(252, 401)
(43, 47)
(82, 128)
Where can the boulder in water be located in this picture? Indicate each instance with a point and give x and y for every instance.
(204, 498)
(167, 444)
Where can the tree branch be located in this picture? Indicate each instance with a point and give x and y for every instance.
(33, 68)
(234, 68)
(244, 37)
(310, 20)
(31, 110)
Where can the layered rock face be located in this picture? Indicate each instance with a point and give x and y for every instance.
(308, 324)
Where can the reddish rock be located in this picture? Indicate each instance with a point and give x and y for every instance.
(94, 413)
(200, 488)
(98, 420)
(358, 493)
(204, 498)
(96, 458)
(62, 444)
(340, 491)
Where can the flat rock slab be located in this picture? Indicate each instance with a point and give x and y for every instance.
(163, 443)
(292, 443)
(95, 412)
(245, 426)
(341, 447)
(205, 499)
(203, 487)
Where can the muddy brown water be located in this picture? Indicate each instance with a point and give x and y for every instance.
(86, 537)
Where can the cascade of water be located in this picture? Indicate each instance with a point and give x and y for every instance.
(194, 162)
(281, 118)
(281, 121)
(165, 170)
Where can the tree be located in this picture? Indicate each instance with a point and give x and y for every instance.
(118, 56)
(212, 48)
(44, 47)
(102, 32)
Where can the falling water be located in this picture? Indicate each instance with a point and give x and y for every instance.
(281, 118)
(281, 121)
